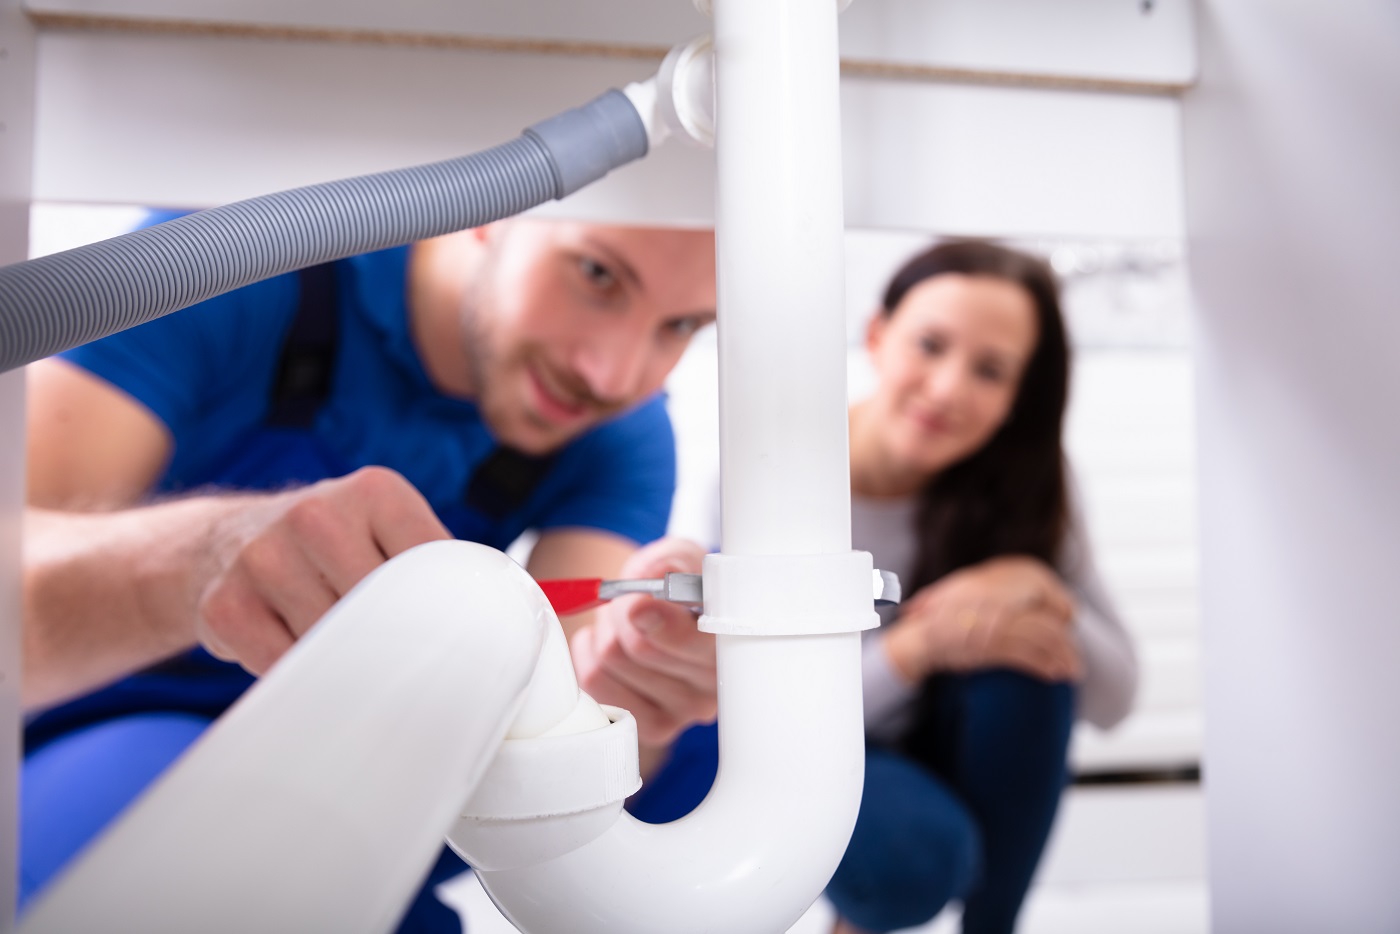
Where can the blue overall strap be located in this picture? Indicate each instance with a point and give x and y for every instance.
(306, 369)
(503, 482)
(499, 486)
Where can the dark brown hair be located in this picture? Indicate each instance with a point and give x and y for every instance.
(1009, 496)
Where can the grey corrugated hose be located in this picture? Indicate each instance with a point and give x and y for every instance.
(56, 302)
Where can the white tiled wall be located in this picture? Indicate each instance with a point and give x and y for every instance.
(1130, 437)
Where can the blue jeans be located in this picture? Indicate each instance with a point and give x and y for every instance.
(963, 811)
(73, 785)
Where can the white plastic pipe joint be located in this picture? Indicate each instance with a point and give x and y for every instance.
(679, 100)
(548, 795)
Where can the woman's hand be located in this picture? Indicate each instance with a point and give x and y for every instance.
(1007, 612)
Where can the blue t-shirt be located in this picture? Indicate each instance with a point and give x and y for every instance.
(208, 374)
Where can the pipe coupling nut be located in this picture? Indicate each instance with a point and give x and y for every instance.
(550, 775)
(788, 595)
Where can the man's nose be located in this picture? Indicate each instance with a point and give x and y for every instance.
(614, 363)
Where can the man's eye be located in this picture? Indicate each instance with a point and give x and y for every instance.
(597, 274)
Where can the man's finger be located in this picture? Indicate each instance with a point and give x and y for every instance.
(664, 556)
(671, 628)
(646, 650)
(242, 627)
(291, 586)
(677, 697)
(341, 547)
(399, 516)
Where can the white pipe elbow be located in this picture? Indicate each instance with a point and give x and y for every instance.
(319, 800)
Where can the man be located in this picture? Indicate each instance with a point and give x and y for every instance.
(476, 385)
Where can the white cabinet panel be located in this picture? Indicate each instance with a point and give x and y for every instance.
(1091, 38)
(197, 120)
(1010, 161)
(16, 141)
(1107, 38)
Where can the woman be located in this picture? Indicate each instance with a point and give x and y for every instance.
(958, 484)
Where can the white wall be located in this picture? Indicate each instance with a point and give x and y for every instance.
(1292, 143)
(16, 136)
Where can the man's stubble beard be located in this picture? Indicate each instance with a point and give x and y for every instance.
(479, 350)
(486, 370)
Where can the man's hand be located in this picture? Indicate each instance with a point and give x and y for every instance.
(647, 655)
(276, 564)
(1009, 612)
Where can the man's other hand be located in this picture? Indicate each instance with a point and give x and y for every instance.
(648, 655)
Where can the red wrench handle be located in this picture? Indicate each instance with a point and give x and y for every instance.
(573, 596)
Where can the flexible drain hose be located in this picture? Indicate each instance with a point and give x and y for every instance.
(56, 302)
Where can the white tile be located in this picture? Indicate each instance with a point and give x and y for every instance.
(1127, 833)
(1139, 908)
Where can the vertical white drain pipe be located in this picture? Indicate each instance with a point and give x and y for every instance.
(787, 597)
(785, 474)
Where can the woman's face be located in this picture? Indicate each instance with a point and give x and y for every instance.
(949, 362)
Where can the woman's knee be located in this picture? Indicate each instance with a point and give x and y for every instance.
(1020, 696)
(1031, 717)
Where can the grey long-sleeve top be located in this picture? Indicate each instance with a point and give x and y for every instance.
(886, 529)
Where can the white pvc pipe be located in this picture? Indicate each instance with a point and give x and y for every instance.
(785, 477)
(761, 847)
(319, 801)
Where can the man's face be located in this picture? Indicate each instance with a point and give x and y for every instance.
(569, 324)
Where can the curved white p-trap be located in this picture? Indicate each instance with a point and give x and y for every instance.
(760, 848)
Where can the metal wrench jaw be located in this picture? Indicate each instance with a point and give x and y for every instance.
(887, 589)
(688, 589)
(651, 586)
